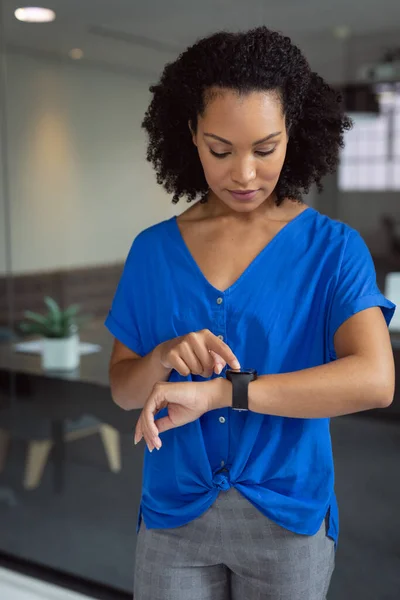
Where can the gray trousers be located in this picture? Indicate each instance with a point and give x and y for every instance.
(232, 552)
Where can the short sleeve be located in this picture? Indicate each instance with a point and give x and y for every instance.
(356, 287)
(122, 319)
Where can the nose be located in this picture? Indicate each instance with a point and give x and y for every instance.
(243, 171)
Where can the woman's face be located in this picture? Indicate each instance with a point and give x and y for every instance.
(242, 143)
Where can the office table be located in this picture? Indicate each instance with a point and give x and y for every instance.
(46, 405)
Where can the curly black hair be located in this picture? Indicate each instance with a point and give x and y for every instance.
(256, 60)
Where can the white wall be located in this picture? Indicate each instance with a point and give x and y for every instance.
(80, 186)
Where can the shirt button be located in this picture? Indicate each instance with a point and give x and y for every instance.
(219, 300)
(222, 419)
(222, 463)
(221, 337)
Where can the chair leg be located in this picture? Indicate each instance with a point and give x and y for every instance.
(112, 446)
(5, 439)
(38, 453)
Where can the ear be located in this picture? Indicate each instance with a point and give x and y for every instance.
(193, 133)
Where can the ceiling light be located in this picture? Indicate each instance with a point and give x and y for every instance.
(35, 14)
(342, 32)
(76, 53)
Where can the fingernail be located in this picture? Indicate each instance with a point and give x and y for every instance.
(219, 369)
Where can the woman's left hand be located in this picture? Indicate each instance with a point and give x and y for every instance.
(186, 401)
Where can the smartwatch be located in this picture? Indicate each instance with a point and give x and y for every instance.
(240, 380)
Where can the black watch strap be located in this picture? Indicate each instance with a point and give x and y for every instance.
(240, 387)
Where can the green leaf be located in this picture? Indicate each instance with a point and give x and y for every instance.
(32, 328)
(36, 317)
(72, 310)
(56, 323)
(53, 308)
(36, 328)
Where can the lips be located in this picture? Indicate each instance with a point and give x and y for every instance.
(245, 192)
(243, 195)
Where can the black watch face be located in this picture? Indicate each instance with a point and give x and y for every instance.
(241, 372)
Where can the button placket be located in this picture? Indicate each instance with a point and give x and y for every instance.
(219, 318)
(219, 329)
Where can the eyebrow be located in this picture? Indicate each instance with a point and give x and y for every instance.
(220, 139)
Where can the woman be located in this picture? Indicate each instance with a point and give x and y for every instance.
(241, 503)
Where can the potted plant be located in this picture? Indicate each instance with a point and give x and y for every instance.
(59, 330)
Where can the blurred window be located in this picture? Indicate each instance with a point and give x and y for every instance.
(370, 159)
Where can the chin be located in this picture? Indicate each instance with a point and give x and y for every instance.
(245, 205)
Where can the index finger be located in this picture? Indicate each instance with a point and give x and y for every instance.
(217, 345)
(138, 433)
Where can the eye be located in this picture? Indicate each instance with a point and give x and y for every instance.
(258, 152)
(217, 155)
(261, 153)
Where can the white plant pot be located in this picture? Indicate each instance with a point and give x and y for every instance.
(60, 354)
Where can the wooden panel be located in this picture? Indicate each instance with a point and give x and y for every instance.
(91, 287)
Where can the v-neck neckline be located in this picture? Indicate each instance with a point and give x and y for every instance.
(263, 251)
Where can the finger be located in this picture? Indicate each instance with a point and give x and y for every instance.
(151, 407)
(217, 345)
(176, 361)
(203, 355)
(180, 366)
(145, 434)
(189, 354)
(144, 430)
(156, 402)
(164, 424)
(219, 362)
(138, 432)
(148, 440)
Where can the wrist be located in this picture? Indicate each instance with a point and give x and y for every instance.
(221, 393)
(156, 357)
(221, 396)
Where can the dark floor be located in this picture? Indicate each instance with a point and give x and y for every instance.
(367, 458)
(89, 529)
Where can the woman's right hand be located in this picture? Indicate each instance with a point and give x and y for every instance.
(198, 353)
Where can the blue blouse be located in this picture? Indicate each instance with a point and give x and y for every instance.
(280, 316)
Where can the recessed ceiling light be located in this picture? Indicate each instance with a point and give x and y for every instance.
(76, 53)
(341, 32)
(35, 14)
